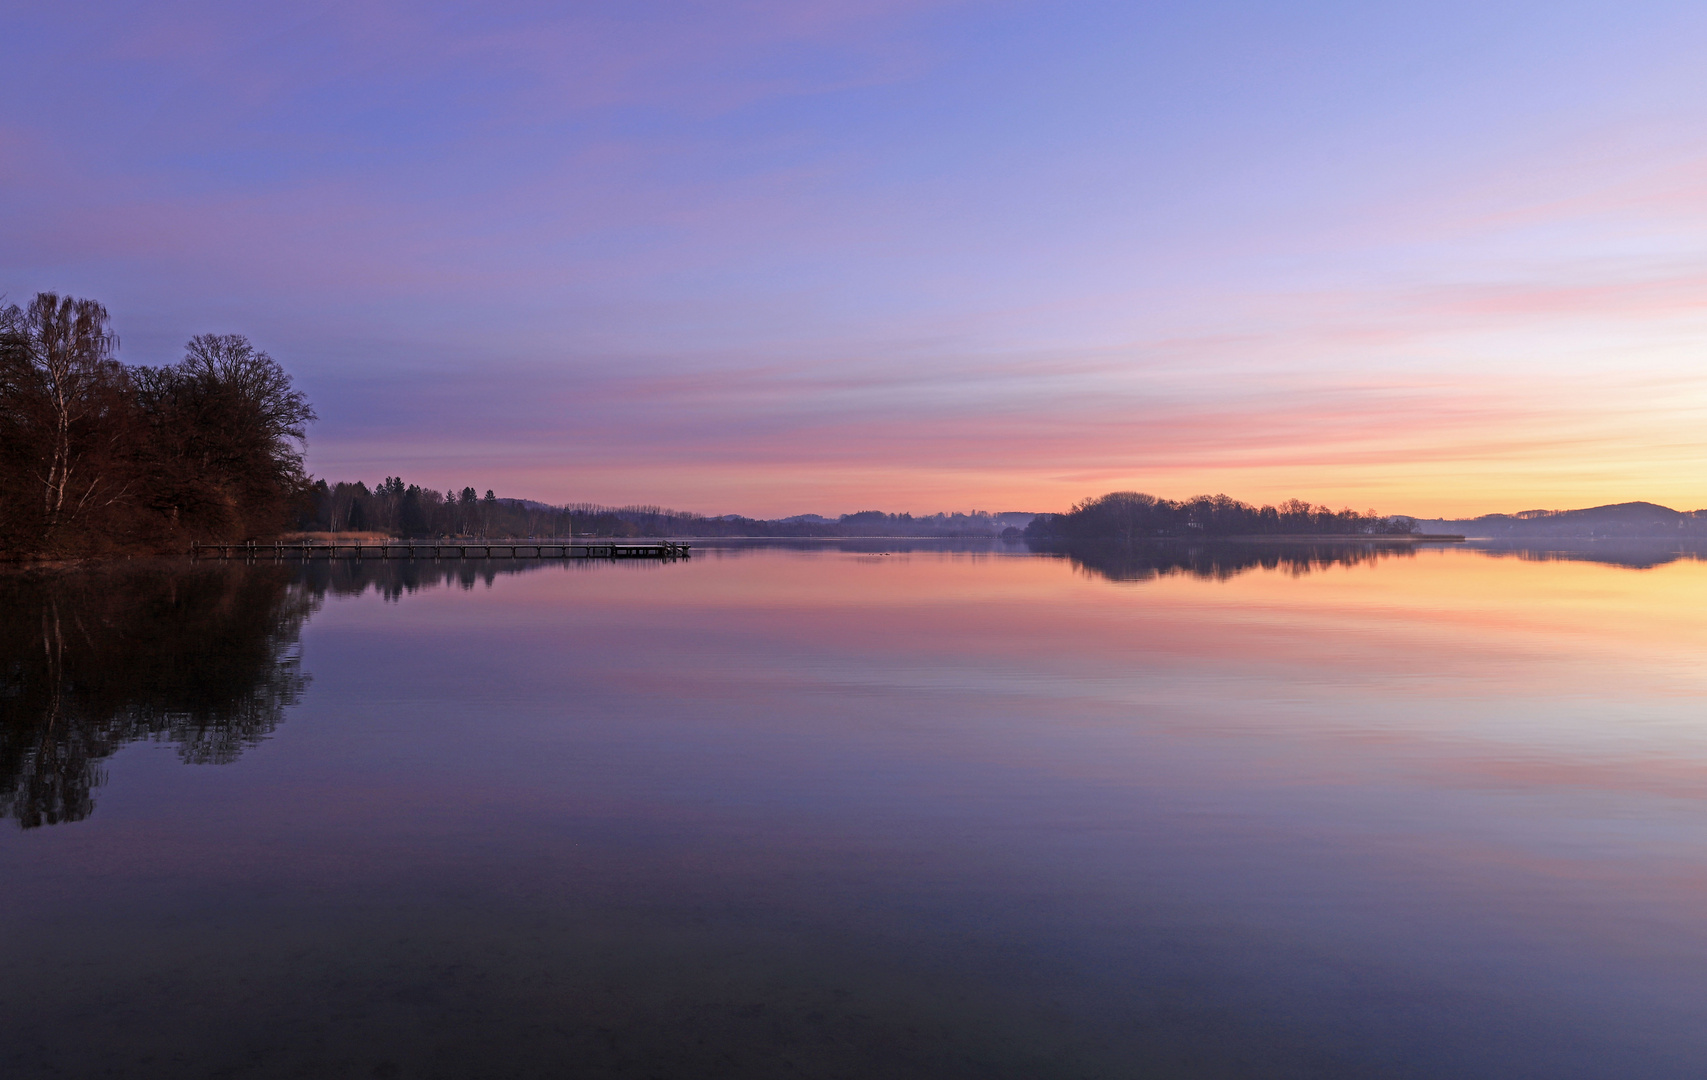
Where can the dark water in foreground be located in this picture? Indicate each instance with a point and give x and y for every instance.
(825, 813)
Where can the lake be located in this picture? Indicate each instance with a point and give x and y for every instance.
(880, 809)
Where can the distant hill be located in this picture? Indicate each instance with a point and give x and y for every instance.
(1619, 520)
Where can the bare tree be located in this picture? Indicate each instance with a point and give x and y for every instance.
(227, 434)
(61, 396)
(228, 362)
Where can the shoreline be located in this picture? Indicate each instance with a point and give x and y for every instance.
(1272, 538)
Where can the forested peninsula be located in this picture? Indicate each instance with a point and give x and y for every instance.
(1126, 517)
(98, 458)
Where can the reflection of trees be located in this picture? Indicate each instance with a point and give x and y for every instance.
(1222, 560)
(392, 578)
(1636, 554)
(204, 658)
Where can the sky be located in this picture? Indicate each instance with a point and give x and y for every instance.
(769, 258)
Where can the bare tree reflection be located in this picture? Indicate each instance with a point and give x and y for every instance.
(204, 658)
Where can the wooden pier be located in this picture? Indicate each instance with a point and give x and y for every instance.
(591, 548)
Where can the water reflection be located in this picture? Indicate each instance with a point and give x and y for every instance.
(204, 659)
(1636, 554)
(393, 579)
(931, 811)
(1217, 561)
(1225, 559)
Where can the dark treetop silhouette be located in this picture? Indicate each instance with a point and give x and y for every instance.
(97, 457)
(1128, 516)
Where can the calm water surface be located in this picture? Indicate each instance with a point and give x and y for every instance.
(820, 812)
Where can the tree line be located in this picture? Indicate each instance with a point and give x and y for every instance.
(395, 508)
(400, 509)
(98, 457)
(1129, 516)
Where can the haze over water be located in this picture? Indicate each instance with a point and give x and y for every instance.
(813, 811)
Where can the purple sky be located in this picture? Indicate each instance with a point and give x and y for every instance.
(788, 257)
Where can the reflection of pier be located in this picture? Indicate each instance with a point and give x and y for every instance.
(446, 549)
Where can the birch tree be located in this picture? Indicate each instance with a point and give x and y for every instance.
(61, 407)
